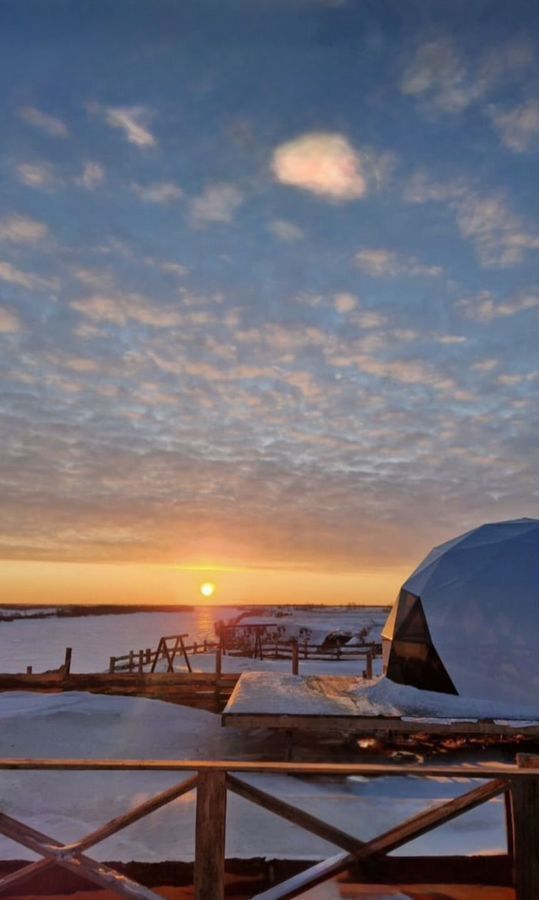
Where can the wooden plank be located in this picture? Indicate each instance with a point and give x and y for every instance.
(107, 830)
(209, 870)
(371, 724)
(486, 771)
(82, 865)
(293, 814)
(385, 843)
(525, 813)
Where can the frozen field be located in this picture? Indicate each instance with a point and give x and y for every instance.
(67, 805)
(41, 643)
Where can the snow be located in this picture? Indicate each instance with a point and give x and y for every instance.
(41, 643)
(280, 694)
(66, 805)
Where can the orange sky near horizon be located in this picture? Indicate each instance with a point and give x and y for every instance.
(38, 582)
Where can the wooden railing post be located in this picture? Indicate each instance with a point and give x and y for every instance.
(295, 657)
(525, 837)
(369, 664)
(67, 661)
(209, 873)
(112, 664)
(218, 662)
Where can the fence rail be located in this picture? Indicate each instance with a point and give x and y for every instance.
(173, 647)
(213, 782)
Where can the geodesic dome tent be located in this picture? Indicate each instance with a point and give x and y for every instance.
(467, 620)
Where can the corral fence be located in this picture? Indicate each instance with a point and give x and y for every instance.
(362, 860)
(172, 648)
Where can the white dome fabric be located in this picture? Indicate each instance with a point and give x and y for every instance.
(479, 596)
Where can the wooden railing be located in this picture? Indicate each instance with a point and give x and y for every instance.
(214, 780)
(174, 647)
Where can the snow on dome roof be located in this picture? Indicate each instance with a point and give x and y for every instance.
(467, 619)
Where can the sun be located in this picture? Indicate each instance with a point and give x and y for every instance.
(207, 588)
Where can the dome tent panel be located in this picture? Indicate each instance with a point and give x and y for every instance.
(480, 598)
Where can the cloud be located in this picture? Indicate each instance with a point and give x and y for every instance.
(93, 175)
(323, 163)
(344, 303)
(162, 192)
(22, 230)
(48, 124)
(118, 309)
(484, 307)
(379, 263)
(500, 237)
(12, 275)
(132, 120)
(36, 175)
(519, 127)
(486, 365)
(447, 83)
(9, 321)
(286, 231)
(218, 203)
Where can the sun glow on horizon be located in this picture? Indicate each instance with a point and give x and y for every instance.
(207, 589)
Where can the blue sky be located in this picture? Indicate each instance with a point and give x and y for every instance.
(268, 278)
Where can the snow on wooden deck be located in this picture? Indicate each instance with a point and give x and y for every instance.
(276, 694)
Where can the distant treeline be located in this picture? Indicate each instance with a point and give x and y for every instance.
(14, 611)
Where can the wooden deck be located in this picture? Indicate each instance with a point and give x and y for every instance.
(377, 725)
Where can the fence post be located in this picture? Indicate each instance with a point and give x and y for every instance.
(295, 657)
(141, 661)
(525, 816)
(67, 661)
(112, 665)
(148, 655)
(369, 663)
(131, 660)
(209, 873)
(218, 662)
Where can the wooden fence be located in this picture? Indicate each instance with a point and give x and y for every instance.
(174, 647)
(519, 785)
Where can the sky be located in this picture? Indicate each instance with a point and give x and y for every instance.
(268, 292)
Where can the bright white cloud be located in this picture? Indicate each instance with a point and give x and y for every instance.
(325, 164)
(217, 203)
(48, 124)
(379, 263)
(519, 127)
(133, 121)
(36, 175)
(22, 230)
(286, 231)
(484, 307)
(9, 321)
(93, 175)
(161, 192)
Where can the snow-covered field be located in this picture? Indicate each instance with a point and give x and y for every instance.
(67, 805)
(41, 643)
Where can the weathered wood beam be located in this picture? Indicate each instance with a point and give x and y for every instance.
(485, 773)
(525, 815)
(82, 865)
(385, 843)
(293, 814)
(209, 871)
